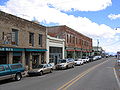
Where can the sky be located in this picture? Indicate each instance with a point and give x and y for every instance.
(97, 19)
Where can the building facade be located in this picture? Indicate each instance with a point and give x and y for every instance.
(21, 41)
(76, 44)
(98, 51)
(55, 49)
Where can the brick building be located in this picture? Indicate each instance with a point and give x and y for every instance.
(21, 41)
(76, 44)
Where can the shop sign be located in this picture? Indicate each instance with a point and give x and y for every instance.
(6, 49)
(70, 48)
(36, 50)
(11, 49)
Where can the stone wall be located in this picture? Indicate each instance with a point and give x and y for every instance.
(9, 22)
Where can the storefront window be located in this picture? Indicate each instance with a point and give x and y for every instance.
(51, 58)
(3, 58)
(17, 57)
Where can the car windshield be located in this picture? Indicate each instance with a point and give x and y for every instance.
(39, 66)
(62, 61)
(83, 57)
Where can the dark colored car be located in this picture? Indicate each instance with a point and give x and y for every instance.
(8, 71)
(90, 58)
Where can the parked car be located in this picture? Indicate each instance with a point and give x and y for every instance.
(99, 57)
(8, 71)
(40, 69)
(64, 64)
(78, 61)
(51, 66)
(85, 59)
(95, 58)
(90, 58)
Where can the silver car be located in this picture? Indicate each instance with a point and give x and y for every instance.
(40, 69)
(64, 64)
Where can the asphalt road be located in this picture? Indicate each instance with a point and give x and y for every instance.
(97, 75)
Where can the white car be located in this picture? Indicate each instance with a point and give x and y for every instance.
(95, 58)
(85, 59)
(78, 62)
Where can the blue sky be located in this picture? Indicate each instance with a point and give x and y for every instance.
(93, 18)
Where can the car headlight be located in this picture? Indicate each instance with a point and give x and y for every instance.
(63, 65)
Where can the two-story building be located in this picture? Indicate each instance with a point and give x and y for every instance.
(21, 41)
(76, 44)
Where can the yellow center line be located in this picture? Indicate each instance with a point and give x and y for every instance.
(78, 77)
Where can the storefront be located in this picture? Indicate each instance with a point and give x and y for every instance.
(10, 55)
(70, 52)
(55, 49)
(17, 57)
(34, 57)
(55, 54)
(28, 57)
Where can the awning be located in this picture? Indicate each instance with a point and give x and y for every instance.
(36, 50)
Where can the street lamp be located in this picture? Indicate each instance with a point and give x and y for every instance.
(97, 45)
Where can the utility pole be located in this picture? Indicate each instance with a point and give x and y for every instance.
(97, 45)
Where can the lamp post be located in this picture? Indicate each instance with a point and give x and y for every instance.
(97, 45)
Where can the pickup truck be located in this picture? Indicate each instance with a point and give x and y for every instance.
(8, 71)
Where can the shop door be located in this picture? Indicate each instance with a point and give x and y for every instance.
(35, 61)
(56, 59)
(3, 59)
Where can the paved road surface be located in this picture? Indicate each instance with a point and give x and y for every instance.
(97, 75)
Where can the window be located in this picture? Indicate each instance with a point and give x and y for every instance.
(67, 38)
(14, 36)
(31, 39)
(70, 38)
(76, 41)
(2, 68)
(40, 40)
(7, 67)
(16, 66)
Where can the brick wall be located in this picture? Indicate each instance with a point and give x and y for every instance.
(72, 37)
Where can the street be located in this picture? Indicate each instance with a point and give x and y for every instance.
(97, 75)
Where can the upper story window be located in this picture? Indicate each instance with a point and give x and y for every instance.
(76, 41)
(67, 38)
(31, 39)
(14, 37)
(70, 38)
(40, 40)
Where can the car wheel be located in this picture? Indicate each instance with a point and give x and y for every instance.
(67, 67)
(72, 66)
(18, 77)
(51, 71)
(41, 73)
